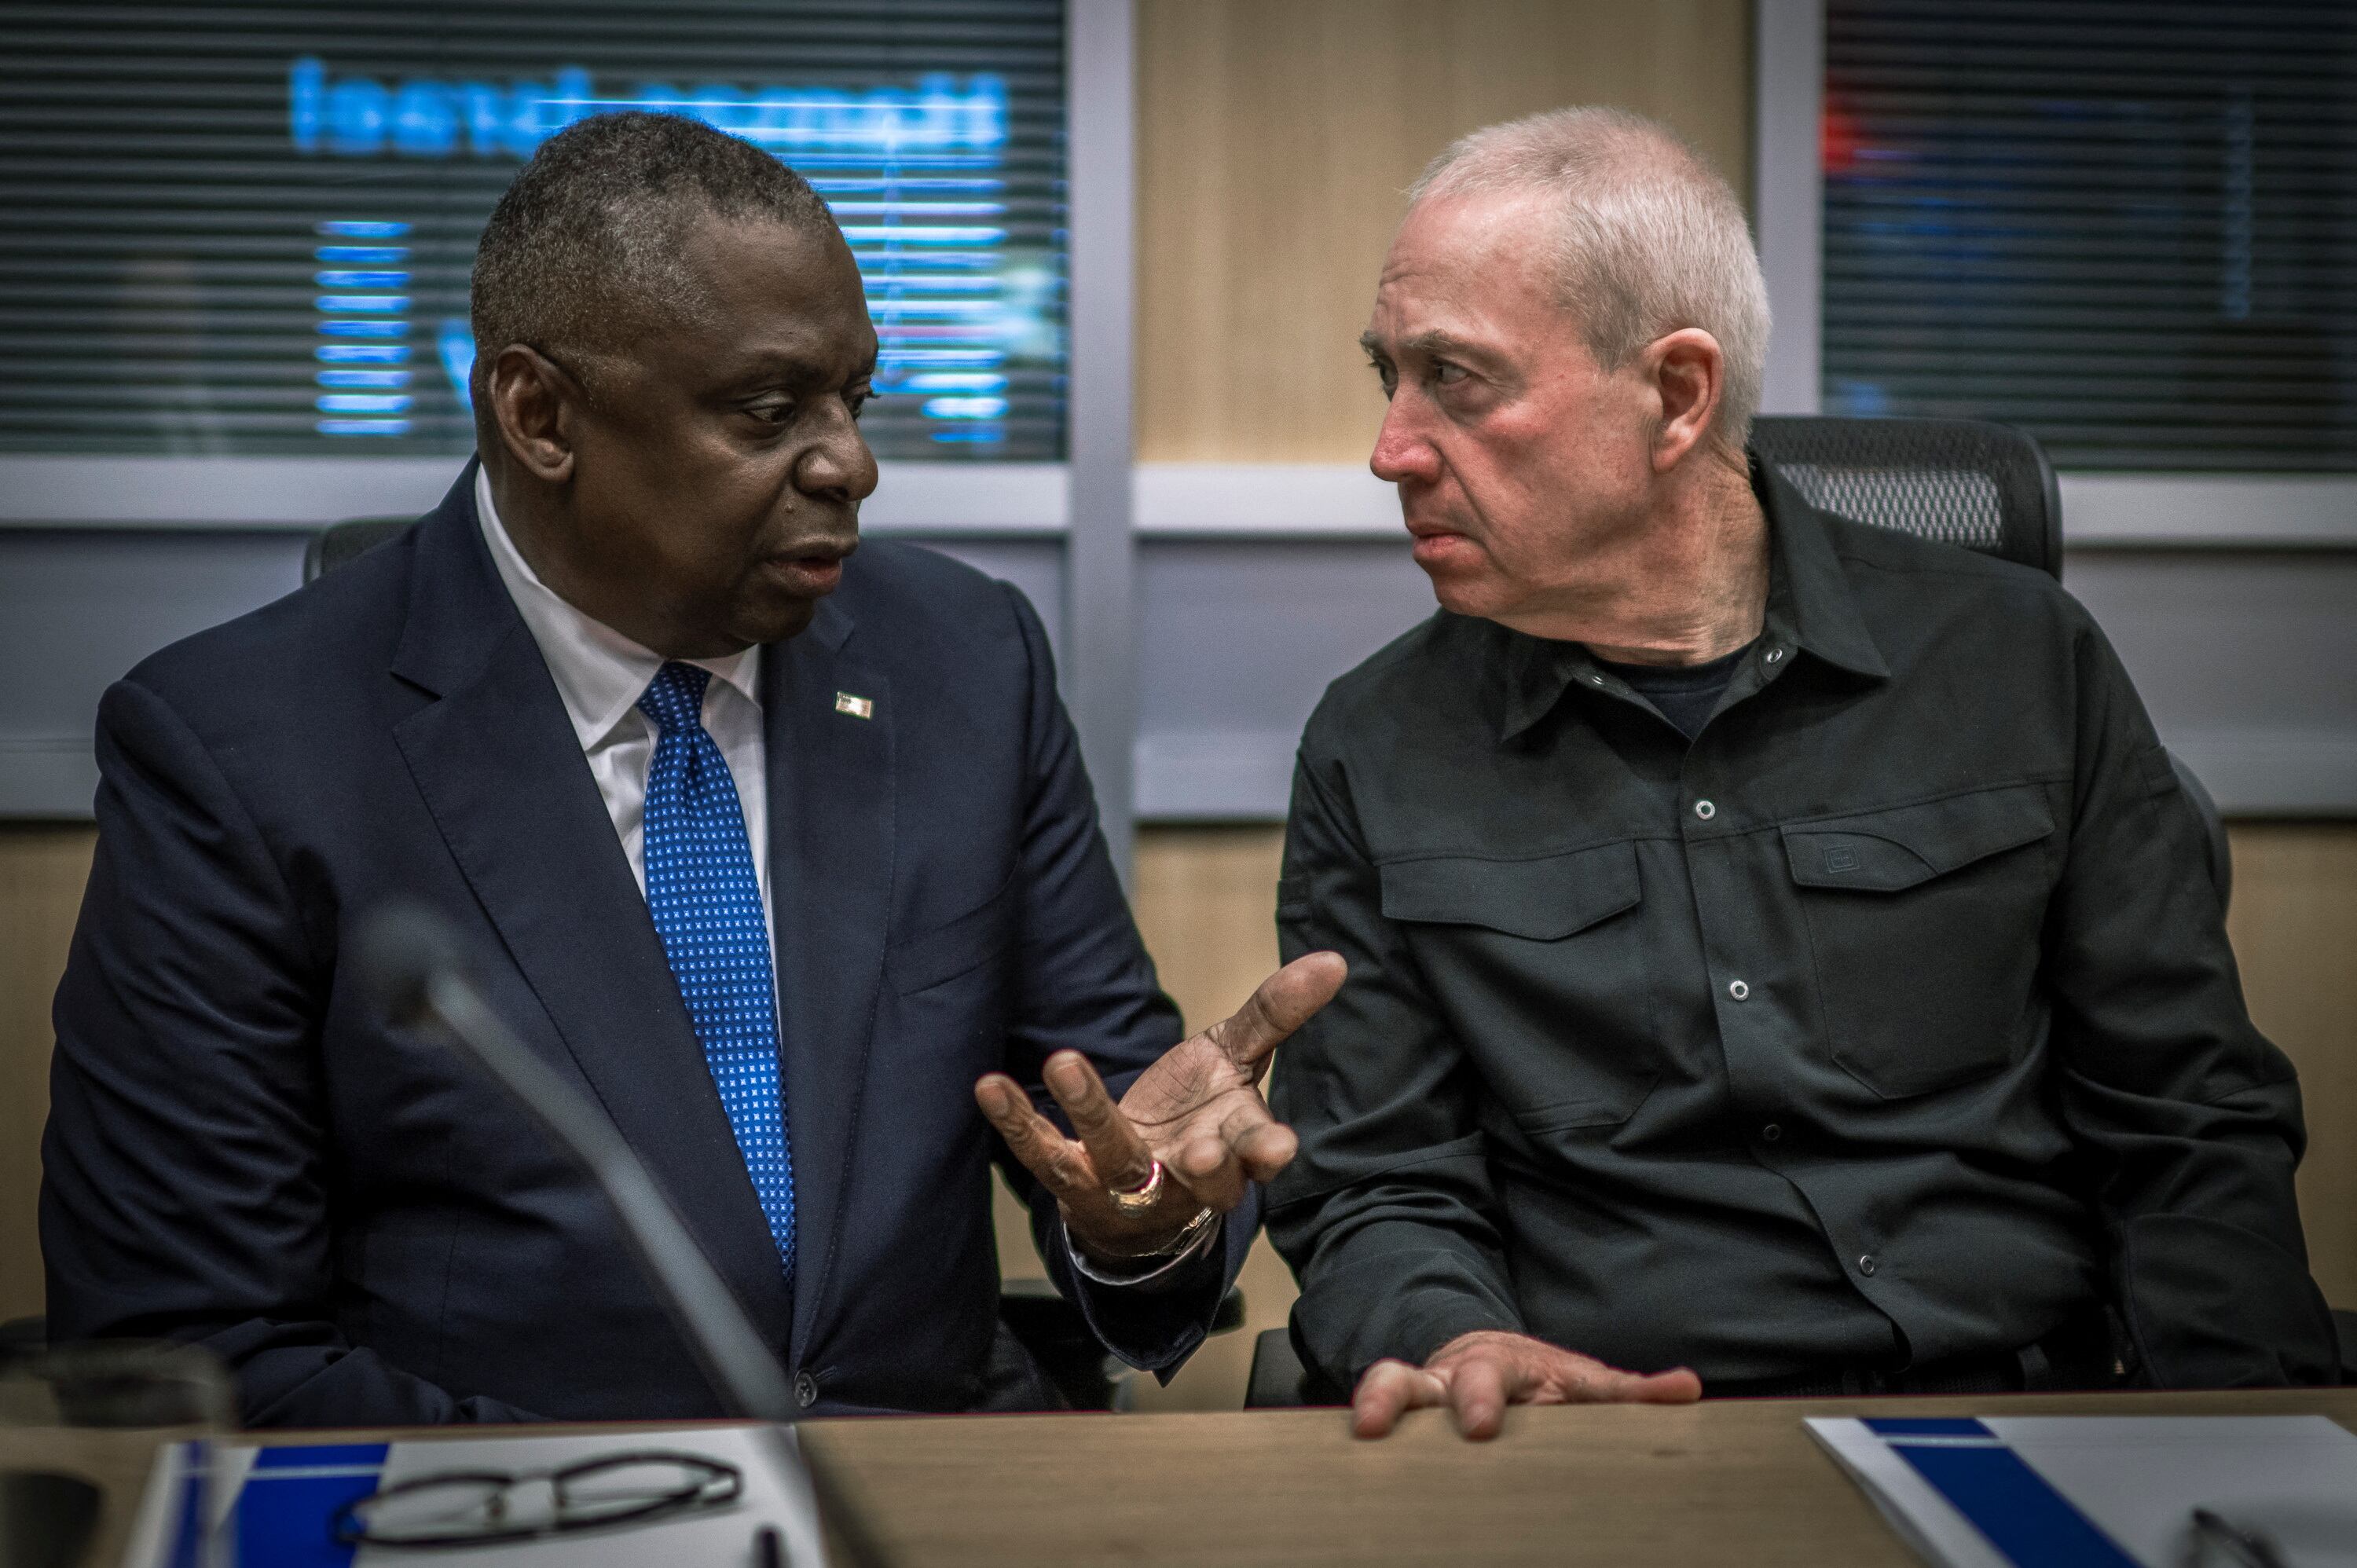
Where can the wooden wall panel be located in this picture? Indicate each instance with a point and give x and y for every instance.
(42, 869)
(2294, 922)
(1207, 906)
(1206, 903)
(1274, 141)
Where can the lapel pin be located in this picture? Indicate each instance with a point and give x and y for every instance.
(857, 707)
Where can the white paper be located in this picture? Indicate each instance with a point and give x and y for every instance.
(155, 1525)
(2138, 1480)
(1914, 1508)
(2140, 1477)
(775, 1492)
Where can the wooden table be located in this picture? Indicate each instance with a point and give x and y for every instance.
(1723, 1482)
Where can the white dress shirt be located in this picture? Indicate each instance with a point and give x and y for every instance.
(602, 675)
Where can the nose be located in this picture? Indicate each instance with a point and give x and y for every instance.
(1402, 453)
(838, 467)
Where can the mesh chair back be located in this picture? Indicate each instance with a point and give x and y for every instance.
(1963, 481)
(1986, 487)
(344, 543)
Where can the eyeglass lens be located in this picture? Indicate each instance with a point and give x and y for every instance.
(484, 1506)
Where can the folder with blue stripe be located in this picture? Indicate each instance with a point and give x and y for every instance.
(2102, 1491)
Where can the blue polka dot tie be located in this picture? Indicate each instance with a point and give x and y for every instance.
(706, 900)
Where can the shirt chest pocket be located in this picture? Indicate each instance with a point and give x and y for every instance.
(1925, 922)
(1539, 965)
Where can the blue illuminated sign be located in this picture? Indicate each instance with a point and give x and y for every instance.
(911, 174)
(423, 117)
(280, 264)
(353, 400)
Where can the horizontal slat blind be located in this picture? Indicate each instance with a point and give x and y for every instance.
(2129, 228)
(246, 228)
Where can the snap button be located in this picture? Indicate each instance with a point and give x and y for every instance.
(1738, 990)
(1865, 1264)
(806, 1390)
(1774, 654)
(1595, 680)
(1705, 810)
(1770, 1132)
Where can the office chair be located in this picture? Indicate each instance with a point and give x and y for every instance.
(343, 543)
(1984, 487)
(1046, 1324)
(1963, 481)
(23, 1337)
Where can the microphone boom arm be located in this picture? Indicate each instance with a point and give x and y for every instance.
(740, 1366)
(413, 967)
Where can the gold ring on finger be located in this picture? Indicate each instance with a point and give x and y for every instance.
(1141, 1197)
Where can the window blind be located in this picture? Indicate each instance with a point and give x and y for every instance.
(2129, 228)
(247, 229)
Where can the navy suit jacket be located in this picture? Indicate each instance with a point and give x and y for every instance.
(240, 1154)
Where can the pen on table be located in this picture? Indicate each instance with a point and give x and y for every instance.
(766, 1554)
(2249, 1546)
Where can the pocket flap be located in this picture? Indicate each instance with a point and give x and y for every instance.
(1887, 851)
(1541, 899)
(954, 948)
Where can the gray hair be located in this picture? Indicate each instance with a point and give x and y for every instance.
(1651, 238)
(581, 256)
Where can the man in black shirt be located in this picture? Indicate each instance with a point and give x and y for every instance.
(1779, 951)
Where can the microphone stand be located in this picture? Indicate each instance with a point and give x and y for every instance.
(412, 961)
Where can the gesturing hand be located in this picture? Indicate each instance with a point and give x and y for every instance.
(1478, 1375)
(1198, 1109)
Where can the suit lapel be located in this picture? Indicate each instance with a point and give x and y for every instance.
(831, 872)
(502, 770)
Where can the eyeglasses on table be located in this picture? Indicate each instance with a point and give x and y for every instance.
(479, 1507)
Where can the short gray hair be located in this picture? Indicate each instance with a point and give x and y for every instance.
(1650, 241)
(582, 254)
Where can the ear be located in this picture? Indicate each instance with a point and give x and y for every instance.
(538, 408)
(1686, 370)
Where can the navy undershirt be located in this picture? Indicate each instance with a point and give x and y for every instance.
(1684, 694)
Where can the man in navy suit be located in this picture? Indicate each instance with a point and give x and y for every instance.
(785, 857)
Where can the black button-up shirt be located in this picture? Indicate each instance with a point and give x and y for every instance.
(1891, 1019)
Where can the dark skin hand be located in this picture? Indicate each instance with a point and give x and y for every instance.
(1198, 1109)
(698, 490)
(1477, 1375)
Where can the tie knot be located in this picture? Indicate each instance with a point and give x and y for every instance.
(674, 698)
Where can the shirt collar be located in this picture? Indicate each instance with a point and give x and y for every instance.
(1809, 602)
(1810, 607)
(599, 673)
